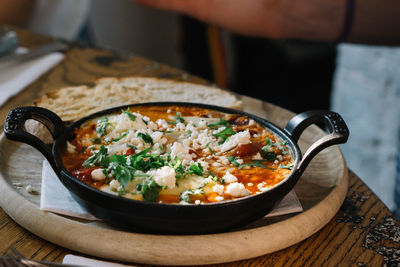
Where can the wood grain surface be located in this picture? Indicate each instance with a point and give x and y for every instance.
(363, 233)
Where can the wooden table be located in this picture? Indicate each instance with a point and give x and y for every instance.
(363, 233)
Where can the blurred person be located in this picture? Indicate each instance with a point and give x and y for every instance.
(366, 88)
(59, 18)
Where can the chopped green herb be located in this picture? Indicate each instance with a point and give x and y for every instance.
(95, 140)
(185, 195)
(101, 126)
(282, 166)
(189, 133)
(209, 148)
(122, 173)
(178, 167)
(179, 118)
(225, 133)
(268, 155)
(234, 161)
(130, 115)
(119, 138)
(267, 151)
(121, 191)
(83, 149)
(131, 147)
(98, 158)
(254, 164)
(216, 179)
(196, 169)
(145, 122)
(221, 122)
(149, 189)
(146, 137)
(144, 162)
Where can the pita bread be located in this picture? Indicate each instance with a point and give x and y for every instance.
(71, 103)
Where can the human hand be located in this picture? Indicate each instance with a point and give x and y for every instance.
(250, 17)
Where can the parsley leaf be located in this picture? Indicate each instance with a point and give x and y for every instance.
(98, 158)
(178, 167)
(233, 160)
(179, 118)
(122, 173)
(216, 179)
(130, 115)
(101, 126)
(119, 138)
(254, 164)
(268, 155)
(185, 195)
(95, 140)
(282, 166)
(146, 137)
(144, 162)
(209, 148)
(149, 189)
(196, 169)
(225, 133)
(221, 122)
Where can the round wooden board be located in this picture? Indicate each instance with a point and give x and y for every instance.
(321, 191)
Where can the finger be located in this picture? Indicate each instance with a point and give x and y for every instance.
(194, 8)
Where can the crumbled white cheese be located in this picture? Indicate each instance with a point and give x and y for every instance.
(202, 140)
(165, 176)
(98, 175)
(180, 151)
(237, 190)
(123, 123)
(268, 148)
(216, 164)
(180, 127)
(70, 147)
(224, 160)
(162, 123)
(250, 184)
(239, 138)
(229, 178)
(157, 136)
(204, 165)
(219, 198)
(197, 201)
(219, 189)
(116, 148)
(114, 184)
(257, 157)
(152, 126)
(263, 187)
(202, 124)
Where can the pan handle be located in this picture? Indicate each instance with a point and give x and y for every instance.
(14, 128)
(336, 128)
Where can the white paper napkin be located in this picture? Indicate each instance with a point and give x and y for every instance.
(56, 198)
(16, 75)
(82, 261)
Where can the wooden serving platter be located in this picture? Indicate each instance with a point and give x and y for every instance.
(321, 191)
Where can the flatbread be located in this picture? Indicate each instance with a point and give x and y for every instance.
(72, 103)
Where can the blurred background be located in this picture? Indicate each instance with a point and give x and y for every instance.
(359, 82)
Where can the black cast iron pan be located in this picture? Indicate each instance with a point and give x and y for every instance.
(174, 218)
